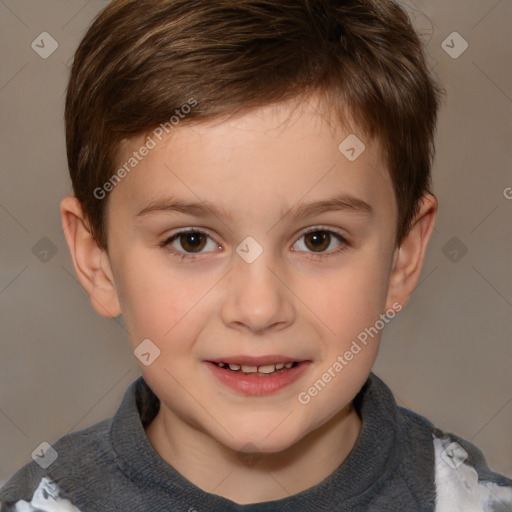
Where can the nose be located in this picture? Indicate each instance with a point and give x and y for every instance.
(257, 296)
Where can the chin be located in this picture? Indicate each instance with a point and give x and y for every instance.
(252, 441)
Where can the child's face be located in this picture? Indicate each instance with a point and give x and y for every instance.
(217, 304)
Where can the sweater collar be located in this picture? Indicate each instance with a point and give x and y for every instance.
(371, 459)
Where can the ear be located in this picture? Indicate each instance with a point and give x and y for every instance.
(92, 264)
(409, 257)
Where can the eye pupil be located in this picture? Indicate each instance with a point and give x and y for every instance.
(320, 240)
(192, 241)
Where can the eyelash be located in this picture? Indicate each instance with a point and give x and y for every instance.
(166, 244)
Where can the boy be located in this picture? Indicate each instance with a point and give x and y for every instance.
(252, 193)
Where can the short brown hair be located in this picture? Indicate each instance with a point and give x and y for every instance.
(143, 59)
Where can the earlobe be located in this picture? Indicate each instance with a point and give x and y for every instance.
(92, 264)
(409, 257)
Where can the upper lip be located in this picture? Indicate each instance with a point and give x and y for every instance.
(255, 361)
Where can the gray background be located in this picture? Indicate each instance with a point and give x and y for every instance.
(447, 355)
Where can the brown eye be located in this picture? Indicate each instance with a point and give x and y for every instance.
(317, 241)
(192, 241)
(321, 243)
(190, 244)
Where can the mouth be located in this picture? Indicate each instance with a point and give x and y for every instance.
(259, 371)
(257, 375)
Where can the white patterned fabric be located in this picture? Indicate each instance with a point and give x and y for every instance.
(45, 499)
(458, 486)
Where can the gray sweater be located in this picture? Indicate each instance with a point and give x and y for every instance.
(399, 463)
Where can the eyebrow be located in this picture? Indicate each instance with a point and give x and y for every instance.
(342, 202)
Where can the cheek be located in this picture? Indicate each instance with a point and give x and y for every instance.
(154, 299)
(350, 300)
(349, 308)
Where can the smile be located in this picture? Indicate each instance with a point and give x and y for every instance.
(257, 379)
(268, 369)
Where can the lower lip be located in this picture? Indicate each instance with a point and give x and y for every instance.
(258, 384)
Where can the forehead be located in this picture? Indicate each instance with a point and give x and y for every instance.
(281, 154)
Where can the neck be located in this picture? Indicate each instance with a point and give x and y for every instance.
(245, 478)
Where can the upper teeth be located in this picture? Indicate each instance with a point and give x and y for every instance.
(268, 368)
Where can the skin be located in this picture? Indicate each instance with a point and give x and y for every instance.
(254, 166)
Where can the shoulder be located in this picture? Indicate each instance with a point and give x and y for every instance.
(77, 456)
(464, 480)
(46, 498)
(85, 466)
